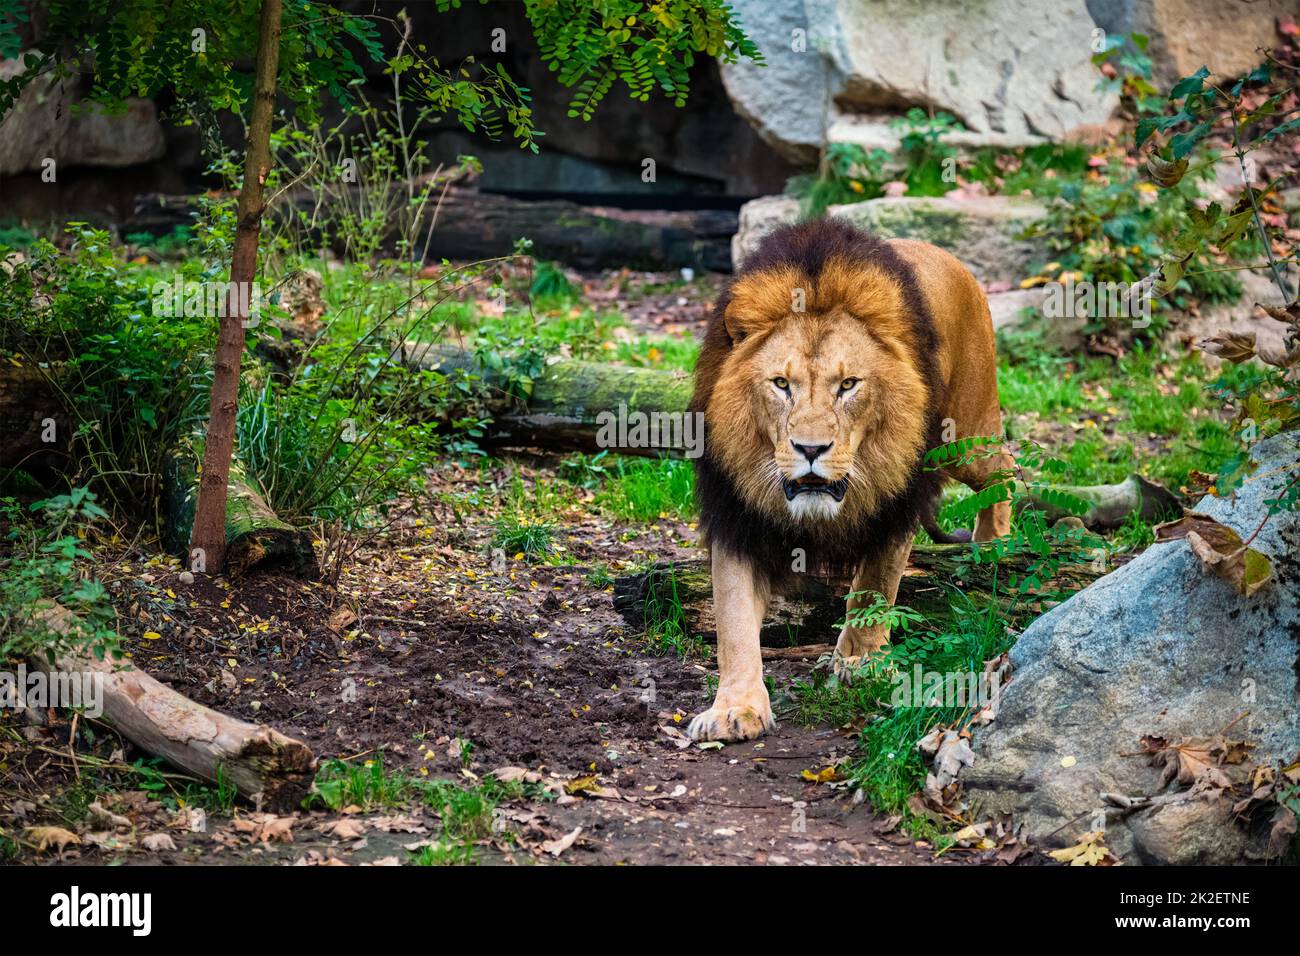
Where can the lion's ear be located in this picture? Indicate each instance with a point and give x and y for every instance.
(736, 330)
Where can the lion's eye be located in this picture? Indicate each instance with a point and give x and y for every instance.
(848, 384)
(781, 383)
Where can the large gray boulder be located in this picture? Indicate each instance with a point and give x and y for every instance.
(1188, 34)
(982, 232)
(1162, 647)
(1014, 72)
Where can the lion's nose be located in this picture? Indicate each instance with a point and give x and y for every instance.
(811, 452)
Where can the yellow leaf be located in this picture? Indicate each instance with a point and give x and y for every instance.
(152, 636)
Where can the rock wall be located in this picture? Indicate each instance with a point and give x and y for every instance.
(1014, 72)
(50, 122)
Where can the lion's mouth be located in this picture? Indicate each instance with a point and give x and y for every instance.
(813, 485)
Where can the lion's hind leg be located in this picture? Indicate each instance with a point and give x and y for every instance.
(995, 520)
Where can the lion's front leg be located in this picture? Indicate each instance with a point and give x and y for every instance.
(878, 575)
(741, 710)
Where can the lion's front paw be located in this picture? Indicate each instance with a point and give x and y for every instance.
(732, 724)
(853, 652)
(846, 667)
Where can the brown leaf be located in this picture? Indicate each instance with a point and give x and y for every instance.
(104, 818)
(1282, 832)
(1196, 760)
(1236, 347)
(1221, 550)
(46, 837)
(556, 847)
(342, 619)
(400, 823)
(157, 842)
(1165, 173)
(344, 829)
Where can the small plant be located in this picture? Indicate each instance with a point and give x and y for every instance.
(666, 629)
(367, 785)
(550, 283)
(647, 489)
(47, 561)
(520, 535)
(1044, 548)
(880, 612)
(929, 162)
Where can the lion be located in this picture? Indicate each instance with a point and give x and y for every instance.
(832, 362)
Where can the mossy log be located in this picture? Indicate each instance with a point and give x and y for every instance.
(255, 535)
(272, 770)
(575, 405)
(814, 611)
(1109, 506)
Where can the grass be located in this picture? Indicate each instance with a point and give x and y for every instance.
(1148, 412)
(514, 534)
(467, 812)
(889, 769)
(647, 489)
(666, 630)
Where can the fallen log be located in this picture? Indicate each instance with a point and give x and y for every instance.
(255, 535)
(265, 766)
(573, 401)
(814, 611)
(1109, 506)
(577, 405)
(479, 225)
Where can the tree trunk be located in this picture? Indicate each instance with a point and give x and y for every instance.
(208, 537)
(254, 535)
(263, 764)
(815, 610)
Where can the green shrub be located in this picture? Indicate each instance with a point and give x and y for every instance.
(130, 381)
(46, 561)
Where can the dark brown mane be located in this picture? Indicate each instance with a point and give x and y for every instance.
(726, 520)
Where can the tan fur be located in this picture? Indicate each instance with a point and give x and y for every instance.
(855, 327)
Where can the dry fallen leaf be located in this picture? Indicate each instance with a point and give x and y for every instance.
(265, 828)
(556, 847)
(1221, 550)
(105, 818)
(1196, 760)
(400, 823)
(1282, 831)
(342, 619)
(157, 842)
(345, 829)
(1236, 347)
(1089, 851)
(825, 775)
(46, 837)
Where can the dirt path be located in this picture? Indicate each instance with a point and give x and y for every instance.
(428, 658)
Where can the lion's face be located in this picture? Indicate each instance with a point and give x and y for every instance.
(815, 396)
(814, 417)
